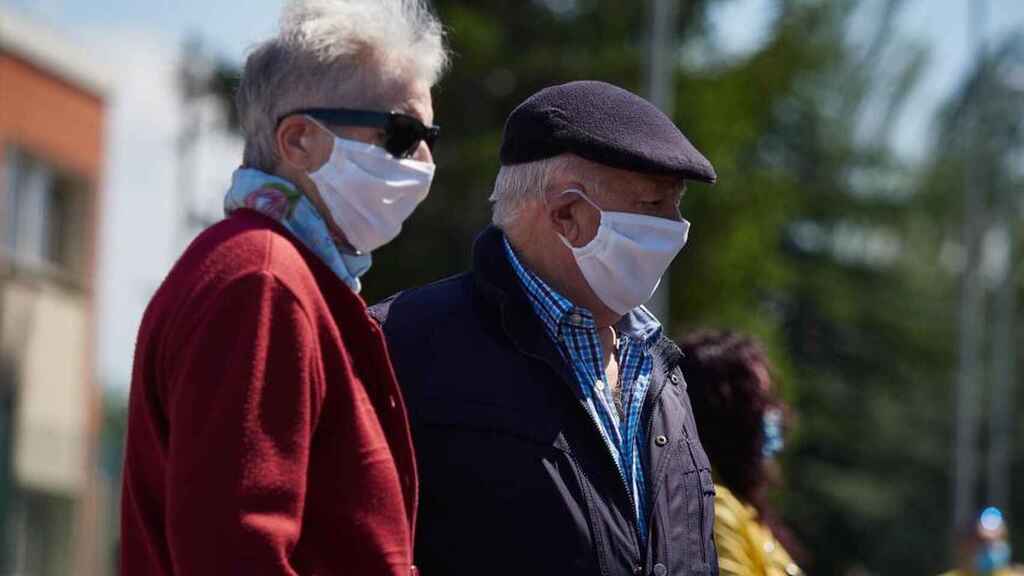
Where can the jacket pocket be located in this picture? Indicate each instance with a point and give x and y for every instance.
(700, 489)
(707, 487)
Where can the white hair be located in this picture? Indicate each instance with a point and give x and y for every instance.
(334, 53)
(518, 185)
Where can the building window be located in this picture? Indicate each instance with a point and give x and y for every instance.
(44, 534)
(46, 216)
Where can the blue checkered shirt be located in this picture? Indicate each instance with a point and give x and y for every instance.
(574, 331)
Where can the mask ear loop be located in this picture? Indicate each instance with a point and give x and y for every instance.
(585, 198)
(581, 194)
(319, 125)
(334, 137)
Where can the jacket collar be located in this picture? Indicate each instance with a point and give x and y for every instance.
(492, 272)
(496, 281)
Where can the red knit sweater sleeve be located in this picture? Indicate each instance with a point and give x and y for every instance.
(242, 404)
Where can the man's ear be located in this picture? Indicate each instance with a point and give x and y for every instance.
(295, 138)
(563, 210)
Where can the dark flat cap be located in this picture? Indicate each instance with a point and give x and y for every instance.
(604, 124)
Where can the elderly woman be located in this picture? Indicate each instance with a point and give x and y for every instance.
(266, 433)
(739, 417)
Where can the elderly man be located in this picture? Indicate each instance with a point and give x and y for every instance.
(551, 421)
(266, 432)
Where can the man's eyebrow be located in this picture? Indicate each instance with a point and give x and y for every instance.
(671, 189)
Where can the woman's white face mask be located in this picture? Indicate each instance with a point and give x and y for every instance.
(624, 263)
(370, 193)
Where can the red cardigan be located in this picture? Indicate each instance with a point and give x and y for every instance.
(266, 431)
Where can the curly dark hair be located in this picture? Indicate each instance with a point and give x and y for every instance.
(729, 381)
(726, 376)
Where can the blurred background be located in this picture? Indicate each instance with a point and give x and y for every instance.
(866, 225)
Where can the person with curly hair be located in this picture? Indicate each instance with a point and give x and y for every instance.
(740, 420)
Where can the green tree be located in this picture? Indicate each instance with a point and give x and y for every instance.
(978, 150)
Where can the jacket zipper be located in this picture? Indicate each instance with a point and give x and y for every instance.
(649, 425)
(593, 419)
(622, 477)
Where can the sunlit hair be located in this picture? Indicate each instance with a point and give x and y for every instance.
(518, 185)
(349, 53)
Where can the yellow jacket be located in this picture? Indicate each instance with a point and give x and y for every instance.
(745, 546)
(1012, 571)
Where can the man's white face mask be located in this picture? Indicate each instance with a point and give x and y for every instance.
(370, 193)
(624, 263)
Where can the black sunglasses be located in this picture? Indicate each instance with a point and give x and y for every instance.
(403, 133)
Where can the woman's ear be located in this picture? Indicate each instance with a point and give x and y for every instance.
(297, 143)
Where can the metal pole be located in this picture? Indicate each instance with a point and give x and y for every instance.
(1001, 423)
(1002, 365)
(969, 377)
(660, 91)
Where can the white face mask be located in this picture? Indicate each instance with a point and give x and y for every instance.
(624, 263)
(370, 193)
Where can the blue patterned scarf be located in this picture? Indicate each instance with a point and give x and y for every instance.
(279, 199)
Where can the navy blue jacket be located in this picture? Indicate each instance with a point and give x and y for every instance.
(515, 477)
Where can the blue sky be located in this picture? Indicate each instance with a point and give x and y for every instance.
(138, 43)
(228, 25)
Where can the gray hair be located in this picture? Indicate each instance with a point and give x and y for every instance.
(518, 185)
(334, 52)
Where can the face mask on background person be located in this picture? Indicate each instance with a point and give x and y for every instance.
(773, 441)
(994, 554)
(993, 557)
(624, 263)
(370, 193)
